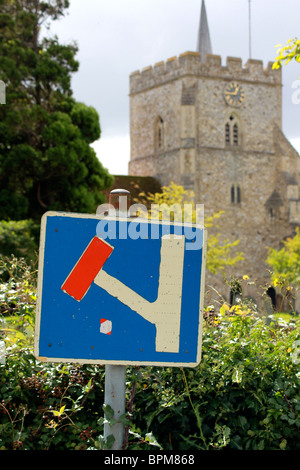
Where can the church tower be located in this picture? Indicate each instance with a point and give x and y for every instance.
(217, 130)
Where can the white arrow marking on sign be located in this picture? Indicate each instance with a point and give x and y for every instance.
(165, 311)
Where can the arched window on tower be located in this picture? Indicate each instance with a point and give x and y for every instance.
(232, 194)
(159, 134)
(232, 131)
(235, 194)
(238, 194)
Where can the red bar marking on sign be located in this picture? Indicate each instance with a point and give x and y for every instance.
(86, 269)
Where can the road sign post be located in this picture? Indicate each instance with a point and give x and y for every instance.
(114, 396)
(115, 375)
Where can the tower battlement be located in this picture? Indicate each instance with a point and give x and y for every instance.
(190, 63)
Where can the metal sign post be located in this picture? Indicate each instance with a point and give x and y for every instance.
(114, 396)
(115, 375)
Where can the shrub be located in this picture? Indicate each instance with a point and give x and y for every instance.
(243, 395)
(19, 238)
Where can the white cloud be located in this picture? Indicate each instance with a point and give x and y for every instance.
(114, 153)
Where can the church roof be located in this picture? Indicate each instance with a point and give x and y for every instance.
(204, 43)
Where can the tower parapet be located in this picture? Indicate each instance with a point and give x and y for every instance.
(190, 63)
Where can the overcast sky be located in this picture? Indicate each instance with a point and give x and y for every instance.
(117, 37)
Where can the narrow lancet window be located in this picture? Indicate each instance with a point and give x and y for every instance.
(235, 194)
(159, 134)
(232, 194)
(235, 135)
(227, 133)
(238, 195)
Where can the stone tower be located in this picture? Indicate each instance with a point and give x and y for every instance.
(216, 130)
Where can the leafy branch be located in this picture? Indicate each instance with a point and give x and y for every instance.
(287, 53)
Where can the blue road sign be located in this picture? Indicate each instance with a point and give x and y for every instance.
(119, 291)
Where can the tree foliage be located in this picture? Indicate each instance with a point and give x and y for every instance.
(18, 237)
(285, 263)
(291, 51)
(46, 161)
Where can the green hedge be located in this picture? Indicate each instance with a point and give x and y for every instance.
(243, 395)
(19, 238)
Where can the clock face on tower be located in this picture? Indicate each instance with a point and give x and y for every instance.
(234, 94)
